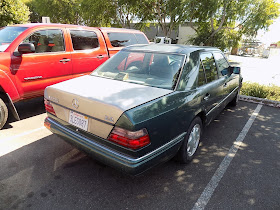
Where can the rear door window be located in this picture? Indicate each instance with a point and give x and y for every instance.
(118, 39)
(209, 65)
(222, 63)
(84, 40)
(201, 76)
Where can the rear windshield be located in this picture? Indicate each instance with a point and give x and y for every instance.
(8, 35)
(119, 39)
(145, 68)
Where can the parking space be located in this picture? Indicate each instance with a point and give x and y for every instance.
(48, 173)
(252, 180)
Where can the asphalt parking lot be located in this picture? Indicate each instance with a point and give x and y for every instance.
(236, 167)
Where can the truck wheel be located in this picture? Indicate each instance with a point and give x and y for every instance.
(3, 113)
(191, 141)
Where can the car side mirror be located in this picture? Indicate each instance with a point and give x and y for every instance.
(236, 70)
(26, 48)
(225, 72)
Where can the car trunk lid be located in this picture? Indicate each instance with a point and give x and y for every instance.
(100, 100)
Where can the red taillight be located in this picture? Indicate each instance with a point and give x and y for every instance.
(130, 139)
(47, 124)
(49, 107)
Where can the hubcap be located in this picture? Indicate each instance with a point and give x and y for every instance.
(1, 114)
(193, 140)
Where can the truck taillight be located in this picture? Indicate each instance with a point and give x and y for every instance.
(130, 139)
(49, 107)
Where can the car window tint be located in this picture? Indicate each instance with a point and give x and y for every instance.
(209, 65)
(132, 63)
(141, 39)
(46, 40)
(122, 39)
(84, 40)
(201, 75)
(220, 61)
(145, 68)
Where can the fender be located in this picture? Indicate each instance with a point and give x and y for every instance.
(8, 87)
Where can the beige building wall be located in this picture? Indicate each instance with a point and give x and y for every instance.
(185, 33)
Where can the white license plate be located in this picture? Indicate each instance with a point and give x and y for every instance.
(78, 120)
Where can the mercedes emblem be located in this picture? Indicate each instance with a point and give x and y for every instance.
(75, 103)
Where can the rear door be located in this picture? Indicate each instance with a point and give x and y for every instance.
(89, 50)
(49, 64)
(212, 86)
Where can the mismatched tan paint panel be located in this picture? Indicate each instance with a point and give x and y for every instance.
(95, 127)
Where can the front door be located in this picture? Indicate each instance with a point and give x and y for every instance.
(49, 64)
(231, 80)
(213, 85)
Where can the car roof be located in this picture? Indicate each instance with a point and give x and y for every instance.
(118, 29)
(170, 48)
(31, 25)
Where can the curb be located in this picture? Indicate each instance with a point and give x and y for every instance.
(260, 101)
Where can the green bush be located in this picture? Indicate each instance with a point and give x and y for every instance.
(271, 92)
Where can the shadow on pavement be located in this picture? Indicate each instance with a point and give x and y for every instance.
(26, 109)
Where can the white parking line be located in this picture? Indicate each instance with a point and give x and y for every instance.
(15, 142)
(21, 135)
(211, 186)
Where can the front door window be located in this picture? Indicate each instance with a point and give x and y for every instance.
(47, 41)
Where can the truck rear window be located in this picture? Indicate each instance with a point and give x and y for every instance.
(141, 39)
(118, 39)
(84, 40)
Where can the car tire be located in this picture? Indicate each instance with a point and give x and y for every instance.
(191, 141)
(235, 100)
(3, 113)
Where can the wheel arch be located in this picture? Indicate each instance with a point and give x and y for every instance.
(7, 99)
(202, 116)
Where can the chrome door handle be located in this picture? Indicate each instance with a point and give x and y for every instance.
(65, 60)
(100, 57)
(206, 97)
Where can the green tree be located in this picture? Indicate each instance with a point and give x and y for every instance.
(126, 12)
(118, 13)
(34, 16)
(222, 23)
(59, 11)
(98, 13)
(167, 13)
(13, 12)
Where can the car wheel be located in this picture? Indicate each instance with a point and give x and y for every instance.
(3, 113)
(235, 100)
(191, 141)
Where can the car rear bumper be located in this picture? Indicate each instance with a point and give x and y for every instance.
(113, 158)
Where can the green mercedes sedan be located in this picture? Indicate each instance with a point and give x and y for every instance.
(145, 105)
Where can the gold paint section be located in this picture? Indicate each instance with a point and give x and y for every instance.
(94, 126)
(87, 105)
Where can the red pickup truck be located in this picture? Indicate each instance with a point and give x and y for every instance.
(34, 56)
